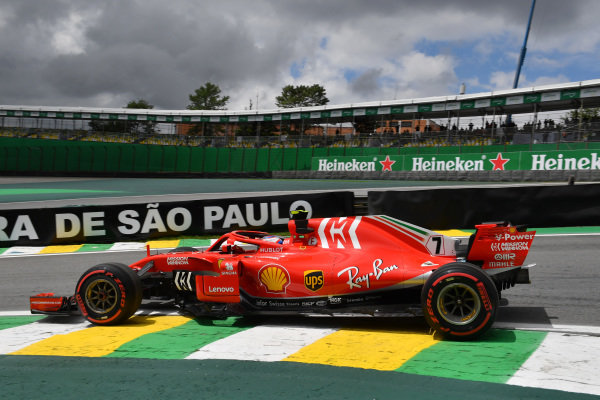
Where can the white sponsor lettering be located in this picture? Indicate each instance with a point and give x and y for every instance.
(177, 261)
(177, 219)
(220, 289)
(355, 280)
(500, 264)
(505, 257)
(542, 162)
(179, 213)
(153, 219)
(518, 236)
(510, 246)
(23, 227)
(271, 249)
(226, 217)
(69, 225)
(354, 165)
(457, 164)
(263, 214)
(234, 216)
(212, 214)
(92, 220)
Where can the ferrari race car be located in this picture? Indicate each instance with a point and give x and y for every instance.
(374, 265)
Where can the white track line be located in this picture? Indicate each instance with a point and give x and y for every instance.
(19, 337)
(562, 362)
(262, 343)
(566, 329)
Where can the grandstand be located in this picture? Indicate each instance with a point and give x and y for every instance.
(458, 120)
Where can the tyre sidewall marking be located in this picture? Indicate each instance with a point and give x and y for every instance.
(453, 274)
(484, 298)
(121, 292)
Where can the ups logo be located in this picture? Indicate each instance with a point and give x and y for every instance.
(313, 280)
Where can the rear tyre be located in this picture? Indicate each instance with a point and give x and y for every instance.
(108, 293)
(459, 301)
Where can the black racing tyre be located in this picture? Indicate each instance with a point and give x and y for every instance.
(184, 250)
(459, 301)
(108, 293)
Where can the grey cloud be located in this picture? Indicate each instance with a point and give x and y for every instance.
(367, 83)
(163, 51)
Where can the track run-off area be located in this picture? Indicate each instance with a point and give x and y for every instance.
(562, 360)
(525, 349)
(544, 345)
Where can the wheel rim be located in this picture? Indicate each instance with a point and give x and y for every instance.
(101, 296)
(459, 304)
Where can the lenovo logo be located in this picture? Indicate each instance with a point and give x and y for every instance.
(220, 289)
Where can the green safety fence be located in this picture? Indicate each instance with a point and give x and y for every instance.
(23, 155)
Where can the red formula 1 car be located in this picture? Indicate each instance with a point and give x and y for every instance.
(369, 264)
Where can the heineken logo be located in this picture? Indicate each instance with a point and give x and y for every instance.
(455, 164)
(543, 162)
(352, 165)
(458, 163)
(498, 161)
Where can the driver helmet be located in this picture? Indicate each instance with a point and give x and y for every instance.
(273, 239)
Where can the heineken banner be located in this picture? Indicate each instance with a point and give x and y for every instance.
(496, 161)
(140, 222)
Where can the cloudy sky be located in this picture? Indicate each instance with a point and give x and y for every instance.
(106, 53)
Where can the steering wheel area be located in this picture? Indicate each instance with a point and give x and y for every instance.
(233, 242)
(237, 239)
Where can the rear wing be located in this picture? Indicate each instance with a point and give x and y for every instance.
(499, 245)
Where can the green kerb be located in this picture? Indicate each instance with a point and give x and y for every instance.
(181, 341)
(495, 358)
(11, 322)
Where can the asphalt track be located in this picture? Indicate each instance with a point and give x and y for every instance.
(18, 192)
(563, 294)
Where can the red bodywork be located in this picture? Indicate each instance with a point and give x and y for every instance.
(329, 262)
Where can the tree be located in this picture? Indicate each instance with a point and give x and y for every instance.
(301, 96)
(208, 97)
(140, 104)
(586, 114)
(147, 127)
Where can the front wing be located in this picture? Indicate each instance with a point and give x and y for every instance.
(51, 304)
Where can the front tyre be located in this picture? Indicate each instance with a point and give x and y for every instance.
(459, 301)
(108, 293)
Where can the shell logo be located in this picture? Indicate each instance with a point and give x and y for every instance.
(274, 277)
